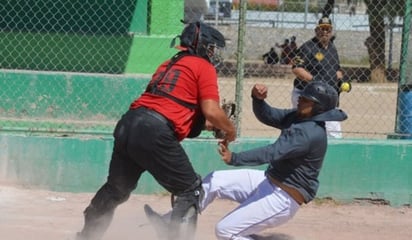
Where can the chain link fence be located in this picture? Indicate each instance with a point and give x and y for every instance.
(74, 66)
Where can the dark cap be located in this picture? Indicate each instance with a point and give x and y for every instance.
(324, 22)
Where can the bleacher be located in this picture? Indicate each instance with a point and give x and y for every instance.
(255, 69)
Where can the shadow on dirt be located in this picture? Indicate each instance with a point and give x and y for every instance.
(272, 236)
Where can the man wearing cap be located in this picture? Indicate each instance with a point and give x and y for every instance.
(318, 60)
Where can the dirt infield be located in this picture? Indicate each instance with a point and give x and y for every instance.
(31, 214)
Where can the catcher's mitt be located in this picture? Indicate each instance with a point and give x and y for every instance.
(230, 109)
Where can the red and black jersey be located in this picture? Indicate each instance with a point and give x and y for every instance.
(191, 79)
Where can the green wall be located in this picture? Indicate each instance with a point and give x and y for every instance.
(44, 101)
(55, 133)
(165, 16)
(61, 35)
(352, 168)
(144, 58)
(74, 16)
(369, 169)
(151, 42)
(121, 36)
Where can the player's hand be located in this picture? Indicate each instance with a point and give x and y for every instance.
(208, 125)
(225, 152)
(230, 136)
(339, 74)
(259, 91)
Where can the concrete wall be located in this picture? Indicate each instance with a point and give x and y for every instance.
(365, 169)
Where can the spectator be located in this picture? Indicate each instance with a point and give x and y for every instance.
(293, 47)
(271, 57)
(285, 51)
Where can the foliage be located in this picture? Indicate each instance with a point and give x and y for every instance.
(379, 11)
(257, 7)
(390, 8)
(297, 6)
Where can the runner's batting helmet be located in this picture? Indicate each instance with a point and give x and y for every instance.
(324, 96)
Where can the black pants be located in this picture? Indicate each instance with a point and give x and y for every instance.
(142, 142)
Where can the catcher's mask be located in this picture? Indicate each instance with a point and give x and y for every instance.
(202, 40)
(322, 94)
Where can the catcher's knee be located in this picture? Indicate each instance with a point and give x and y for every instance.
(107, 199)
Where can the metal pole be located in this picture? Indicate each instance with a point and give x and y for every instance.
(240, 62)
(306, 14)
(391, 25)
(404, 100)
(405, 42)
(217, 13)
(282, 14)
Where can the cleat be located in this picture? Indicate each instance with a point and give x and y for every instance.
(159, 223)
(80, 236)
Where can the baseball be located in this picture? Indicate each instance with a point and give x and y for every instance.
(345, 87)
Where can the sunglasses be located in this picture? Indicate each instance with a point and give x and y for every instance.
(325, 29)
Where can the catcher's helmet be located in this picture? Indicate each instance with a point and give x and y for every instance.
(202, 40)
(324, 96)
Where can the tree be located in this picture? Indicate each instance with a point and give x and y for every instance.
(378, 11)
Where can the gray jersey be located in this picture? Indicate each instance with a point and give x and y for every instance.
(296, 157)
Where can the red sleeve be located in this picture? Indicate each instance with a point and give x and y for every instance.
(208, 87)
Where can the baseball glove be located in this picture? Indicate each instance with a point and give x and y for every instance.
(230, 109)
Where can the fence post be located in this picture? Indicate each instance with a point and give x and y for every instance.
(240, 61)
(403, 125)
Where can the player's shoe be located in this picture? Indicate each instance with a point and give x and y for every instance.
(159, 223)
(257, 237)
(80, 236)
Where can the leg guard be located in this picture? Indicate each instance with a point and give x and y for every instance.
(184, 214)
(95, 224)
(98, 215)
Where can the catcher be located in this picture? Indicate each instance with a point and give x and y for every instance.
(181, 95)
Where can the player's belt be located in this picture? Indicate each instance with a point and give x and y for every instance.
(295, 194)
(158, 116)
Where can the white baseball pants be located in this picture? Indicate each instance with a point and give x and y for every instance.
(262, 204)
